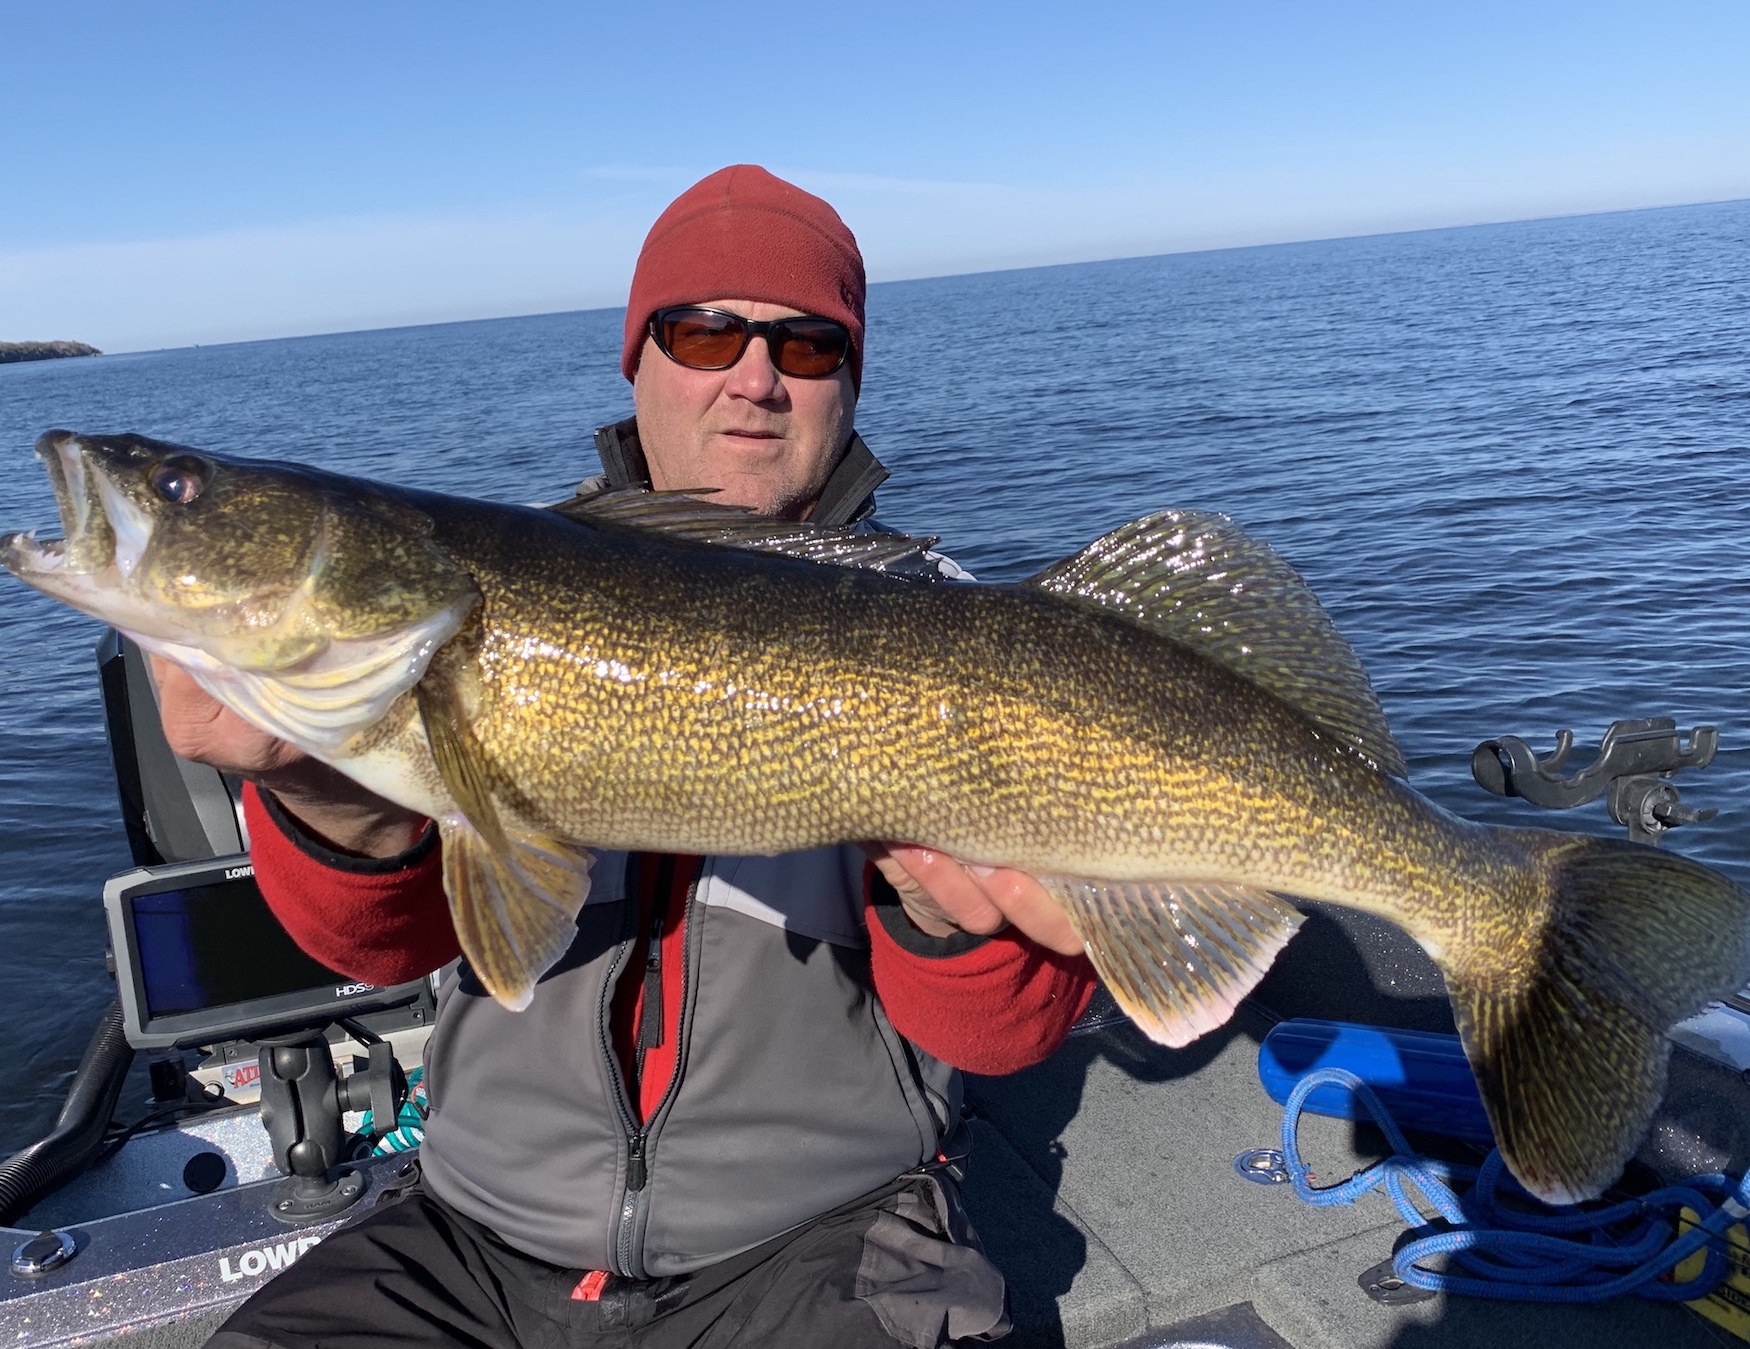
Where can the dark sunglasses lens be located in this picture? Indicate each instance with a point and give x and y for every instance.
(700, 338)
(809, 348)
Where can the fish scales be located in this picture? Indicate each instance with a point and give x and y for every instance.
(994, 724)
(988, 722)
(1166, 729)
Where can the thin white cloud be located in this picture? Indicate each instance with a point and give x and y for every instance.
(988, 228)
(320, 276)
(824, 182)
(340, 274)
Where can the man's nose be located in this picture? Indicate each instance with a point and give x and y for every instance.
(754, 376)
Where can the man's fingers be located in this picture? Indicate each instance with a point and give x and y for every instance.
(182, 701)
(1029, 906)
(202, 729)
(947, 884)
(332, 808)
(903, 882)
(975, 899)
(937, 893)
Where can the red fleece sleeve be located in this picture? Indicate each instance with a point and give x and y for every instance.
(383, 921)
(997, 1006)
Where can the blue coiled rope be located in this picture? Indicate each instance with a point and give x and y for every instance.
(1527, 1251)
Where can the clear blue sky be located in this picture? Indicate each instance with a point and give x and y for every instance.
(200, 172)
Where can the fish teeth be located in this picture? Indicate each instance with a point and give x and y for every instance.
(35, 555)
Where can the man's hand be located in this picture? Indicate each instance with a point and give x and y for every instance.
(942, 896)
(331, 806)
(198, 727)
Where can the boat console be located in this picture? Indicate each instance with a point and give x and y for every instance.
(200, 960)
(270, 1078)
(1126, 1190)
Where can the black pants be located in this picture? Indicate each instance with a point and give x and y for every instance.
(416, 1273)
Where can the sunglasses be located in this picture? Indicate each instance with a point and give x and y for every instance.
(808, 347)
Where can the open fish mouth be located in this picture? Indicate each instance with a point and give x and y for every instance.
(22, 550)
(104, 533)
(91, 545)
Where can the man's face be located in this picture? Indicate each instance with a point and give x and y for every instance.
(765, 439)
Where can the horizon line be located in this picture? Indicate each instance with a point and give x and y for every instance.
(944, 276)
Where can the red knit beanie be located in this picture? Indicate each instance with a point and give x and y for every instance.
(744, 234)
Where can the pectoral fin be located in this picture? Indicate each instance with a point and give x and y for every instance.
(459, 757)
(514, 895)
(1178, 958)
(515, 908)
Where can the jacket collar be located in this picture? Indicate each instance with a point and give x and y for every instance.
(849, 494)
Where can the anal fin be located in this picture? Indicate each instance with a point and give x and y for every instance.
(514, 907)
(1177, 957)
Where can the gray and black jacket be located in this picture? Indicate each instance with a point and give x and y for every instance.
(792, 1093)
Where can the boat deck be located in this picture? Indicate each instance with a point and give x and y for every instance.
(1102, 1182)
(1103, 1186)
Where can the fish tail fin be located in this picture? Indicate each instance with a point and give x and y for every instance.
(1567, 1032)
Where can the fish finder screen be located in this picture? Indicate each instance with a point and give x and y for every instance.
(214, 945)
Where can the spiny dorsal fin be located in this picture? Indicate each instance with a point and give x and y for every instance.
(1178, 958)
(681, 515)
(1198, 578)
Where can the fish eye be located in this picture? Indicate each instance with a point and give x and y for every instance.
(179, 479)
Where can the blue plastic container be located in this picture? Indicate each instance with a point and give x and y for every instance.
(1424, 1080)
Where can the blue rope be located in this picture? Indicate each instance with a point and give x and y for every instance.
(1524, 1251)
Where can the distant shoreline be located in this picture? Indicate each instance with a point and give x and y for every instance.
(43, 351)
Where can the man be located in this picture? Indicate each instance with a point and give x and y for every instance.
(730, 1116)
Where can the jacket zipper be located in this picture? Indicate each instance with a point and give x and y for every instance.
(604, 1024)
(638, 1137)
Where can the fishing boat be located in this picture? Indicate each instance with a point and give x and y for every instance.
(1132, 1195)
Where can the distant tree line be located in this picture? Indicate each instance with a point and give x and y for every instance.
(43, 351)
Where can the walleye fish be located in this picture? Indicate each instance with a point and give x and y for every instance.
(1166, 729)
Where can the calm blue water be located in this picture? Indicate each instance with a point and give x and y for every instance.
(1511, 459)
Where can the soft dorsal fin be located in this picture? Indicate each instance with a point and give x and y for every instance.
(681, 515)
(1198, 578)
